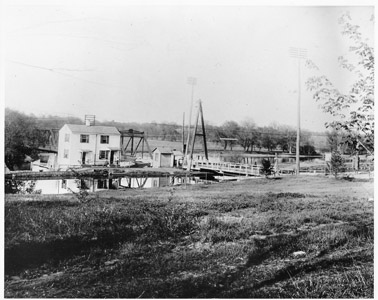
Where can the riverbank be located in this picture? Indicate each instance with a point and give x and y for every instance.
(302, 237)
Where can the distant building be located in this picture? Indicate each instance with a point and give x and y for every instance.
(166, 158)
(88, 145)
(46, 162)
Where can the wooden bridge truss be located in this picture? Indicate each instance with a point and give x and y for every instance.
(131, 140)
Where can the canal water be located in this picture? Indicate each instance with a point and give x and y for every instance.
(67, 186)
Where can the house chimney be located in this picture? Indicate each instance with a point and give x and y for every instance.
(89, 120)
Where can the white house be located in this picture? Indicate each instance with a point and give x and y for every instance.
(88, 145)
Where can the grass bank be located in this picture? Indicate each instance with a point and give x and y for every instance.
(303, 237)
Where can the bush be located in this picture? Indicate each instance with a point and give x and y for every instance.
(337, 163)
(21, 187)
(266, 167)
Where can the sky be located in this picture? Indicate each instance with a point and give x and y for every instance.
(131, 63)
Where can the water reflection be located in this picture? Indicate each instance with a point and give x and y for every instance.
(65, 186)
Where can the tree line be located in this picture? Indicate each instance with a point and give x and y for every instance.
(23, 135)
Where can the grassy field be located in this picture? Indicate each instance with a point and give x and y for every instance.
(305, 237)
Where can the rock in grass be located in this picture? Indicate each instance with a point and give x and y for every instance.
(111, 262)
(15, 278)
(298, 254)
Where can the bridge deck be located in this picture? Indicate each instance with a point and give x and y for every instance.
(101, 173)
(226, 167)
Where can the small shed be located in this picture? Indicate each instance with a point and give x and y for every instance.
(162, 158)
(166, 158)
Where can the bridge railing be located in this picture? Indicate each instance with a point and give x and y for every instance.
(229, 167)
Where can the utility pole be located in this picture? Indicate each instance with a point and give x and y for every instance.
(298, 53)
(203, 134)
(183, 133)
(192, 81)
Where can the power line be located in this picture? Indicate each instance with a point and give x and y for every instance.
(54, 70)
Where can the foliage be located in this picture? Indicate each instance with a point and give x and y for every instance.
(248, 135)
(353, 111)
(337, 141)
(288, 138)
(21, 187)
(268, 141)
(337, 163)
(21, 138)
(82, 195)
(308, 149)
(266, 167)
(229, 129)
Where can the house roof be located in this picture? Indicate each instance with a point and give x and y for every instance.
(168, 150)
(93, 129)
(177, 153)
(163, 150)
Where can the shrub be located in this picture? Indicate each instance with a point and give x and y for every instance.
(21, 187)
(266, 167)
(337, 163)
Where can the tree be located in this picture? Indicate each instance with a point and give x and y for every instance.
(269, 138)
(337, 163)
(229, 129)
(248, 134)
(284, 135)
(21, 138)
(289, 140)
(337, 141)
(353, 111)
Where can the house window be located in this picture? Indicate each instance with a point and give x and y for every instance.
(44, 159)
(104, 139)
(84, 138)
(65, 154)
(64, 183)
(67, 137)
(156, 157)
(104, 154)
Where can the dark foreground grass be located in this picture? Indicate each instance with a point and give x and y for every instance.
(224, 241)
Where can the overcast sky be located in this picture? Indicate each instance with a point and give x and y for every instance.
(132, 63)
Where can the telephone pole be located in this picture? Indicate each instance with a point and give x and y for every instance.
(298, 53)
(192, 81)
